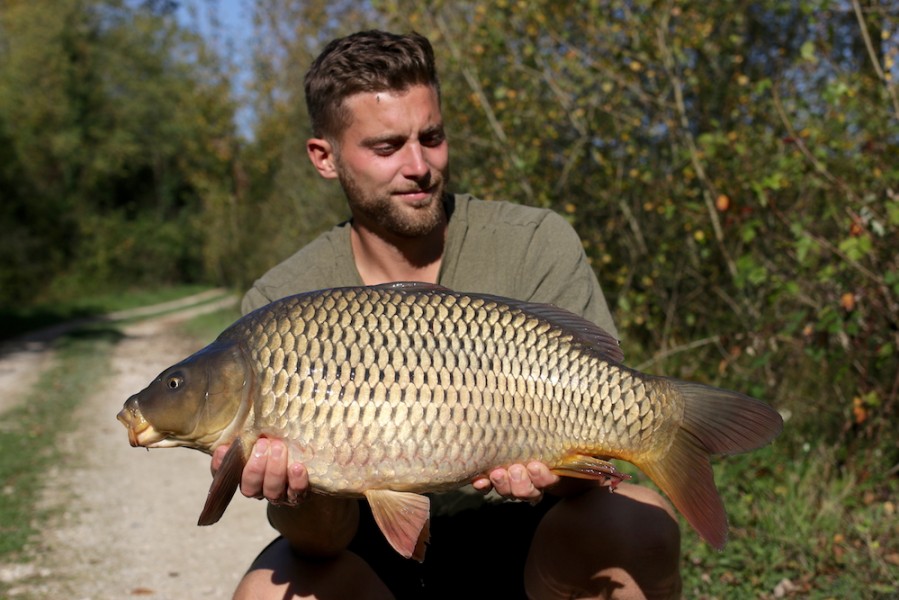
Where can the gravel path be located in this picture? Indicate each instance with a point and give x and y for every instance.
(125, 524)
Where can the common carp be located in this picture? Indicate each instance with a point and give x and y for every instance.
(393, 391)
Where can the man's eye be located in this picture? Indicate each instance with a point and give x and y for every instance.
(433, 140)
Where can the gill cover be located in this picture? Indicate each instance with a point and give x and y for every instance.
(193, 402)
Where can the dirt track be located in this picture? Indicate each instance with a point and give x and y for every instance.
(126, 523)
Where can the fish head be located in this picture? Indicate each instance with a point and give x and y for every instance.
(200, 402)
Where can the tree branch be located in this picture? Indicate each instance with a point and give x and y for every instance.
(708, 188)
(891, 90)
(478, 90)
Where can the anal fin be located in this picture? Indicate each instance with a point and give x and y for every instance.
(583, 466)
(403, 518)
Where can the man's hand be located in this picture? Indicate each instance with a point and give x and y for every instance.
(267, 474)
(519, 481)
(322, 528)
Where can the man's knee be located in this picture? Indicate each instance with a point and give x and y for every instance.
(278, 574)
(625, 544)
(650, 522)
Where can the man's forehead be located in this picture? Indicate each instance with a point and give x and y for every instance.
(415, 108)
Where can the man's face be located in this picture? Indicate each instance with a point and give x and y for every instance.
(393, 161)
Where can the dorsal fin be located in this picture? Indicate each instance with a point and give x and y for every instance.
(412, 286)
(587, 332)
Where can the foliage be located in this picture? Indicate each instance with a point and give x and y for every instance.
(800, 525)
(117, 137)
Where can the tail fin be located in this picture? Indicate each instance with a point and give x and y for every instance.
(716, 421)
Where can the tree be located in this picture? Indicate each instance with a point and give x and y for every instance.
(119, 126)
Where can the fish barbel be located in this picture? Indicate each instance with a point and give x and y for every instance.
(392, 391)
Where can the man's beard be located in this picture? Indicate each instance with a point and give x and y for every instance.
(403, 220)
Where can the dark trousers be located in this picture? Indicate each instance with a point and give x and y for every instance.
(472, 554)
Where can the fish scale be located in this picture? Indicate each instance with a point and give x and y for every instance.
(392, 391)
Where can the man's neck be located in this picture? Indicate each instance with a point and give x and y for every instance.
(383, 258)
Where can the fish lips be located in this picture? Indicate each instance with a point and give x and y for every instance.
(140, 432)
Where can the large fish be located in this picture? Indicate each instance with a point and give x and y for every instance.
(392, 391)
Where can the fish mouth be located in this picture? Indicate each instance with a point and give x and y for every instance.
(140, 432)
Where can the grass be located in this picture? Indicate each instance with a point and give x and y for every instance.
(802, 525)
(206, 327)
(29, 432)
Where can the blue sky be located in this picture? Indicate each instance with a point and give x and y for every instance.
(235, 15)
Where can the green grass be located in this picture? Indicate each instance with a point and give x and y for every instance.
(29, 432)
(795, 515)
(207, 327)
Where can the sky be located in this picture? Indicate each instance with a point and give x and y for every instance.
(234, 15)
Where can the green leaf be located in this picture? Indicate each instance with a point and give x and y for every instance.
(803, 246)
(807, 51)
(893, 212)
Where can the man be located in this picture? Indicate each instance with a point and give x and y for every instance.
(374, 102)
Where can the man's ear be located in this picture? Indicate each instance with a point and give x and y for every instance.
(321, 153)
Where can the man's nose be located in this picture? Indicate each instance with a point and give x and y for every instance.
(415, 167)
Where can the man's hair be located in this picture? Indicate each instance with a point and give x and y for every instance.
(367, 61)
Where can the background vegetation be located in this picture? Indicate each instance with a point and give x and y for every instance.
(732, 168)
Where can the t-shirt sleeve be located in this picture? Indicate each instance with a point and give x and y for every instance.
(252, 300)
(558, 272)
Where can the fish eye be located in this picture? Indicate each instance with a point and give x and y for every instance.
(174, 382)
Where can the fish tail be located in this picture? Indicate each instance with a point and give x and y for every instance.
(715, 421)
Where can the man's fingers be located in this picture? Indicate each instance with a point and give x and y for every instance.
(218, 455)
(518, 481)
(541, 476)
(500, 480)
(482, 484)
(521, 485)
(297, 479)
(274, 485)
(254, 472)
(297, 484)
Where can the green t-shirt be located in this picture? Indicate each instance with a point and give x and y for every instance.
(496, 248)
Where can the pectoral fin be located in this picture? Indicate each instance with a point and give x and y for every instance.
(224, 484)
(589, 467)
(403, 518)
